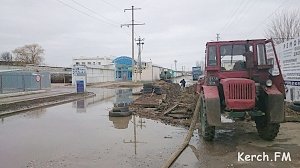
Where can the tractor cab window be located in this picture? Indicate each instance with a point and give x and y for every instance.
(233, 57)
(271, 60)
(212, 56)
(261, 57)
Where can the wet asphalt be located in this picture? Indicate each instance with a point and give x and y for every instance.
(81, 134)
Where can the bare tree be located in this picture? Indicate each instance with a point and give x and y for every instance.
(6, 56)
(30, 54)
(284, 26)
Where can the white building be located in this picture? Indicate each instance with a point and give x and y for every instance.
(104, 69)
(92, 61)
(149, 72)
(98, 69)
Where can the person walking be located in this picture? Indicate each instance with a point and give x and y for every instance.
(182, 83)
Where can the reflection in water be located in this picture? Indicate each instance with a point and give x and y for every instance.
(37, 113)
(120, 122)
(33, 114)
(80, 106)
(134, 141)
(141, 123)
(124, 96)
(101, 94)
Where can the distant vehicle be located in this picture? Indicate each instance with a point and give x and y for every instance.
(239, 83)
(165, 75)
(196, 72)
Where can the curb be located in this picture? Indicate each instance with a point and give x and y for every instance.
(51, 103)
(16, 94)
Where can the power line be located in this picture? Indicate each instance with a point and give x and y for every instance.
(261, 23)
(239, 19)
(233, 15)
(104, 18)
(238, 14)
(110, 4)
(84, 13)
(87, 14)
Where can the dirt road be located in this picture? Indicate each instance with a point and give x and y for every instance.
(234, 142)
(242, 138)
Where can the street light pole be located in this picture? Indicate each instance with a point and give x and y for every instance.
(151, 68)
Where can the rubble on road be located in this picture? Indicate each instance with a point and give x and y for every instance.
(291, 115)
(175, 106)
(166, 102)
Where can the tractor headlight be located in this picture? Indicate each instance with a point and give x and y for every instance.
(269, 83)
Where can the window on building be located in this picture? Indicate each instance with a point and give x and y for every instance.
(99, 63)
(94, 63)
(83, 63)
(89, 63)
(77, 63)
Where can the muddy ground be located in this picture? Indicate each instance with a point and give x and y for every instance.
(180, 101)
(231, 138)
(155, 106)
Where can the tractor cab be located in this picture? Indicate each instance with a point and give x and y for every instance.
(242, 78)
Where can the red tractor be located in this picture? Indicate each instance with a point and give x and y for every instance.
(242, 80)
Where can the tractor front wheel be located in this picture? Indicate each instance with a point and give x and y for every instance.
(207, 132)
(266, 130)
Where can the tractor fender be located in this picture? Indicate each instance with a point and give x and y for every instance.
(212, 102)
(274, 104)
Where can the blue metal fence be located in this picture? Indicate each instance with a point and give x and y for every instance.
(20, 81)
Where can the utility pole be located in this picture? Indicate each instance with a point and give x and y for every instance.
(140, 44)
(175, 61)
(151, 69)
(218, 36)
(132, 32)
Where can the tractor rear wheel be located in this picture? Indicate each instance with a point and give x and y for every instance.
(266, 130)
(207, 132)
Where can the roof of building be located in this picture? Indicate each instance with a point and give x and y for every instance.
(93, 58)
(123, 60)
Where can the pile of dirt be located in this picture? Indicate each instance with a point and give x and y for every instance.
(174, 106)
(291, 115)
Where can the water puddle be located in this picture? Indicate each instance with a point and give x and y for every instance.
(81, 134)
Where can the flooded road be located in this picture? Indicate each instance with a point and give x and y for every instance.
(81, 134)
